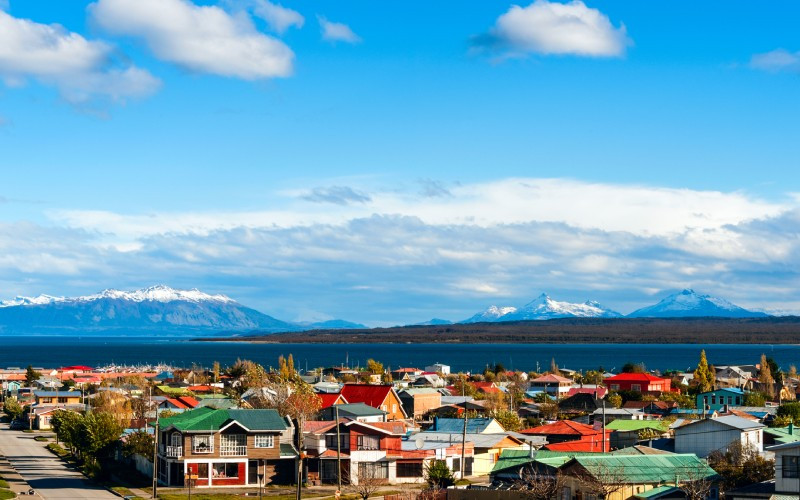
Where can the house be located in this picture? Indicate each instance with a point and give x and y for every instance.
(633, 476)
(598, 391)
(566, 430)
(40, 416)
(660, 408)
(487, 448)
(406, 373)
(486, 387)
(179, 403)
(418, 402)
(786, 484)
(581, 402)
(701, 437)
(438, 368)
(617, 414)
(720, 399)
(781, 435)
(551, 384)
(733, 376)
(353, 411)
(331, 398)
(638, 382)
(627, 433)
(383, 397)
(474, 426)
(429, 379)
(57, 397)
(372, 450)
(227, 447)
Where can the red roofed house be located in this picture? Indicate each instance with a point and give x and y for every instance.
(382, 397)
(485, 387)
(330, 398)
(179, 403)
(565, 431)
(371, 450)
(597, 391)
(638, 382)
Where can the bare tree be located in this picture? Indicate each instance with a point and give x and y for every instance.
(602, 480)
(539, 485)
(695, 482)
(367, 481)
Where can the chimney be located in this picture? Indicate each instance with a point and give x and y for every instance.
(791, 428)
(435, 423)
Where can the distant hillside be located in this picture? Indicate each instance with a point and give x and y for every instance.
(769, 330)
(158, 308)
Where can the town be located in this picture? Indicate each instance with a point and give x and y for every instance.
(724, 431)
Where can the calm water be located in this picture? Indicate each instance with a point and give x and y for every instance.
(59, 351)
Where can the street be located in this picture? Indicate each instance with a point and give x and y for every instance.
(44, 472)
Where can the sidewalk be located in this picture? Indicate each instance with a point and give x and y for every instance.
(12, 477)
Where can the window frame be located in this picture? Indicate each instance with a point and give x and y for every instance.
(269, 438)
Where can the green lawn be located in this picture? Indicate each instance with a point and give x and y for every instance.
(6, 494)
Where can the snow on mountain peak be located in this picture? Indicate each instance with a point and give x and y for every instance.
(687, 302)
(544, 307)
(157, 293)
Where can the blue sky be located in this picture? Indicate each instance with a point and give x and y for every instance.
(390, 162)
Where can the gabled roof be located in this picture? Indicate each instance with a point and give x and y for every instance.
(372, 395)
(456, 425)
(360, 410)
(635, 377)
(551, 379)
(211, 419)
(479, 440)
(563, 427)
(601, 391)
(729, 421)
(637, 425)
(736, 391)
(646, 469)
(592, 444)
(782, 435)
(329, 398)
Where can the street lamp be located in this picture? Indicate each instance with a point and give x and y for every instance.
(260, 483)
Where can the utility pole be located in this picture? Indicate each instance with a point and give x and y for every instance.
(155, 459)
(338, 450)
(464, 440)
(604, 426)
(298, 493)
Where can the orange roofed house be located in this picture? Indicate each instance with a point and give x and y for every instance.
(382, 397)
(570, 436)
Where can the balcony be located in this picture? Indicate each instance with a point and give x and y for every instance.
(232, 451)
(174, 451)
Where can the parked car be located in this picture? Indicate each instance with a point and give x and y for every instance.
(18, 425)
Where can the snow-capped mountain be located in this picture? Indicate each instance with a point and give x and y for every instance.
(157, 308)
(434, 322)
(543, 307)
(331, 324)
(493, 313)
(689, 303)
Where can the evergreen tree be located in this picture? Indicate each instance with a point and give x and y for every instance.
(31, 376)
(703, 375)
(765, 376)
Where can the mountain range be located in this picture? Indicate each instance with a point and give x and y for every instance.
(164, 309)
(157, 308)
(686, 303)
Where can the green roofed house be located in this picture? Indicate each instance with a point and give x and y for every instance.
(630, 432)
(781, 435)
(225, 447)
(620, 477)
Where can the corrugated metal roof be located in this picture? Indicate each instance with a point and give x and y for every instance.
(211, 419)
(636, 425)
(641, 469)
(455, 425)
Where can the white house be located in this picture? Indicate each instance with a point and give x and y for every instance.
(787, 477)
(711, 434)
(438, 368)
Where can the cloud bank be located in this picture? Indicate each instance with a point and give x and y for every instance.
(337, 32)
(779, 60)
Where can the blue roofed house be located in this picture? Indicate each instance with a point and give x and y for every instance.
(720, 399)
(474, 425)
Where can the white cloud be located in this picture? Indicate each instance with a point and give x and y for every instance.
(199, 38)
(777, 60)
(277, 16)
(337, 32)
(553, 28)
(80, 68)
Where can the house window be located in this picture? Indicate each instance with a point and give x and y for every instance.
(327, 471)
(730, 400)
(202, 471)
(394, 408)
(62, 400)
(368, 442)
(738, 401)
(265, 441)
(636, 387)
(47, 400)
(344, 441)
(409, 469)
(790, 467)
(202, 444)
(175, 439)
(228, 470)
(373, 470)
(614, 387)
(713, 399)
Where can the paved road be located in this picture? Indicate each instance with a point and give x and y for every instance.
(45, 472)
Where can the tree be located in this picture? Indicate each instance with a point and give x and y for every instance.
(593, 377)
(438, 474)
(765, 376)
(695, 483)
(31, 376)
(374, 367)
(777, 374)
(754, 399)
(792, 373)
(140, 443)
(462, 387)
(215, 371)
(703, 375)
(508, 419)
(615, 400)
(67, 385)
(631, 367)
(367, 481)
(683, 400)
(554, 367)
(67, 426)
(499, 368)
(539, 485)
(603, 480)
(740, 465)
(12, 408)
(790, 410)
